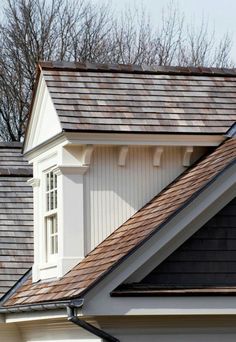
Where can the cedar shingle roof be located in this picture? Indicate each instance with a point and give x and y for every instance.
(131, 234)
(16, 209)
(126, 98)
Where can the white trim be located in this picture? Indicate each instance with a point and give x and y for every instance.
(123, 152)
(188, 151)
(158, 151)
(87, 155)
(71, 169)
(34, 182)
(80, 138)
(34, 316)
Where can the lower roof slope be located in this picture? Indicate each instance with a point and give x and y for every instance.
(131, 98)
(131, 234)
(16, 209)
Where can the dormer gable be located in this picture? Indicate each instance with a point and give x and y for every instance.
(43, 123)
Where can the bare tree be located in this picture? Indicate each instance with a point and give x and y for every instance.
(33, 30)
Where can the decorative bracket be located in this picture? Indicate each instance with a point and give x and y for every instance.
(34, 182)
(123, 151)
(158, 151)
(70, 170)
(187, 155)
(87, 155)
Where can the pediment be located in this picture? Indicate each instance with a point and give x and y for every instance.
(206, 260)
(44, 122)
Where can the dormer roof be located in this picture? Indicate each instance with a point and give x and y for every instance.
(138, 99)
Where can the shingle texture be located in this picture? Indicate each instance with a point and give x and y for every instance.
(16, 209)
(131, 234)
(125, 98)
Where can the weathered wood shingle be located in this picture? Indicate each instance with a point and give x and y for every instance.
(16, 209)
(121, 98)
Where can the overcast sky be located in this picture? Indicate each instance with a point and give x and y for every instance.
(221, 14)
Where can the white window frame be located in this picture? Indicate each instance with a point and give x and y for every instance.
(50, 216)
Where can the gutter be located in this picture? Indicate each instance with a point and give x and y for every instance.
(71, 307)
(72, 317)
(41, 307)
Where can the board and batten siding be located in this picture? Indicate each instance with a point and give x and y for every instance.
(114, 193)
(206, 259)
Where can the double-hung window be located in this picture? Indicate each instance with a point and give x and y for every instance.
(51, 226)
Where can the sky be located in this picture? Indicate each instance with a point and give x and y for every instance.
(219, 13)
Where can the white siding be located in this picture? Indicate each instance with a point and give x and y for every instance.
(171, 329)
(114, 193)
(9, 333)
(55, 331)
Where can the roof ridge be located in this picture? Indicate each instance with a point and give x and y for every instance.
(134, 68)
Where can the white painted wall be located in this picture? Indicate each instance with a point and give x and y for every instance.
(114, 193)
(55, 331)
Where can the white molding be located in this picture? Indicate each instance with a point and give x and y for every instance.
(158, 151)
(70, 170)
(87, 155)
(123, 152)
(80, 138)
(34, 182)
(188, 151)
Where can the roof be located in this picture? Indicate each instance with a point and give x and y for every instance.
(130, 235)
(131, 98)
(16, 209)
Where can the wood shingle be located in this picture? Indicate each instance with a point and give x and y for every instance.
(16, 221)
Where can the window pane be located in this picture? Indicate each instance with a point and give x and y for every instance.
(55, 199)
(48, 201)
(55, 224)
(51, 180)
(56, 244)
(47, 181)
(51, 200)
(55, 181)
(52, 245)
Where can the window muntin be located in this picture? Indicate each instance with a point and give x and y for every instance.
(51, 192)
(51, 225)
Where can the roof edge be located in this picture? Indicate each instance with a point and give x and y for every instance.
(134, 68)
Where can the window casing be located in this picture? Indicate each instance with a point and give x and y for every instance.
(50, 217)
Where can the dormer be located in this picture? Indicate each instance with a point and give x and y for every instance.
(104, 140)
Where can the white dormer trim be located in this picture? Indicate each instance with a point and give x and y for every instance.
(44, 121)
(123, 152)
(71, 169)
(158, 151)
(34, 182)
(87, 155)
(188, 151)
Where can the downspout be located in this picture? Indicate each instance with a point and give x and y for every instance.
(72, 317)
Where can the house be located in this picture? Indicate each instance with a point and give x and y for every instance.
(134, 187)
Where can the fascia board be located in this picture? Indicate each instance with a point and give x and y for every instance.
(35, 316)
(98, 300)
(81, 138)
